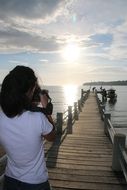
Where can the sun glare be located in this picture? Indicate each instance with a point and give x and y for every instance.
(71, 52)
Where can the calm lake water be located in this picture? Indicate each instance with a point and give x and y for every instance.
(63, 96)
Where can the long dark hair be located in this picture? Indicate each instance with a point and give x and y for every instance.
(13, 98)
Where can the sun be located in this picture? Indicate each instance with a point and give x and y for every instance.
(71, 52)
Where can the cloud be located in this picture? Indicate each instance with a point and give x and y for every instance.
(118, 48)
(43, 60)
(30, 9)
(24, 25)
(16, 40)
(100, 11)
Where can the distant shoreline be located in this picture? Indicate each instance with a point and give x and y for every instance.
(102, 83)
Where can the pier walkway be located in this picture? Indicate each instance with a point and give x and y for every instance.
(83, 159)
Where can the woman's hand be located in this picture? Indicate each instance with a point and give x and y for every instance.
(44, 100)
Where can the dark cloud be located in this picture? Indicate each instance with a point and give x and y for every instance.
(17, 30)
(12, 38)
(30, 9)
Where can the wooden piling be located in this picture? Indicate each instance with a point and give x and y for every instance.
(69, 122)
(75, 111)
(119, 140)
(59, 123)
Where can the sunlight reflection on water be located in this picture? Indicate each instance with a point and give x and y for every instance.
(70, 94)
(63, 96)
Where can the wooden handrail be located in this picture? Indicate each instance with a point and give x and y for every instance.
(123, 161)
(119, 160)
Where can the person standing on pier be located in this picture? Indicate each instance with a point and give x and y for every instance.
(22, 132)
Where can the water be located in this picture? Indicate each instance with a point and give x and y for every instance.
(64, 96)
(118, 109)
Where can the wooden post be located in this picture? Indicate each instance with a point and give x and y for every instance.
(82, 92)
(69, 122)
(87, 94)
(119, 139)
(59, 123)
(79, 106)
(102, 97)
(102, 107)
(106, 117)
(75, 111)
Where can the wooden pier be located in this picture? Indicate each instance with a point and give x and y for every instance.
(83, 159)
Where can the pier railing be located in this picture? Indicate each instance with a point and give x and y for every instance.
(119, 159)
(64, 122)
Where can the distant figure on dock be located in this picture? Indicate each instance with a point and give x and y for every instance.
(101, 88)
(104, 95)
(94, 88)
(112, 96)
(22, 132)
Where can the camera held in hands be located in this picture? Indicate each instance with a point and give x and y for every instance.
(36, 98)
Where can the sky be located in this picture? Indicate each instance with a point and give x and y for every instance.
(65, 41)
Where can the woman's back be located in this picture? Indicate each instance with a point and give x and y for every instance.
(21, 136)
(21, 131)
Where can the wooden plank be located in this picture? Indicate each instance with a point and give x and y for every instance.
(86, 186)
(83, 146)
(75, 166)
(74, 148)
(79, 162)
(74, 157)
(82, 156)
(83, 152)
(86, 178)
(86, 172)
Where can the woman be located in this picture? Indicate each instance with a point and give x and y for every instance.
(21, 132)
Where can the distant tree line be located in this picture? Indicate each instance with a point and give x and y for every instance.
(124, 82)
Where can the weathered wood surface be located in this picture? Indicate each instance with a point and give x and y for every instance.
(83, 159)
